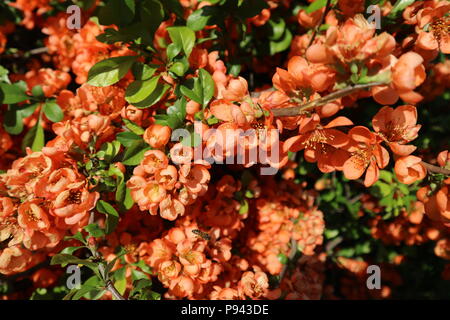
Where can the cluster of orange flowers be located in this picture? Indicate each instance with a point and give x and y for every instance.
(43, 197)
(206, 233)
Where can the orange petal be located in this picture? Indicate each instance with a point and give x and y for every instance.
(353, 169)
(372, 174)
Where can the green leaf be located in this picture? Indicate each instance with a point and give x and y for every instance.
(13, 122)
(399, 6)
(39, 138)
(143, 71)
(128, 138)
(120, 280)
(123, 196)
(94, 230)
(118, 12)
(38, 92)
(179, 68)
(316, 5)
(244, 207)
(152, 14)
(154, 97)
(27, 110)
(12, 93)
(251, 8)
(208, 87)
(283, 44)
(283, 258)
(133, 127)
(77, 236)
(139, 275)
(71, 250)
(83, 291)
(277, 27)
(135, 153)
(65, 259)
(111, 213)
(140, 90)
(53, 111)
(109, 71)
(172, 51)
(183, 37)
(202, 17)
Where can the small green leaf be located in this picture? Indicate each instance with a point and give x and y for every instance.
(118, 12)
(208, 86)
(39, 138)
(135, 153)
(65, 259)
(53, 111)
(202, 17)
(13, 122)
(111, 213)
(178, 68)
(316, 5)
(38, 92)
(120, 280)
(244, 207)
(128, 138)
(152, 14)
(109, 71)
(94, 230)
(183, 37)
(71, 250)
(142, 71)
(140, 90)
(12, 93)
(133, 127)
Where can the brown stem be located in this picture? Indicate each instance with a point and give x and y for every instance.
(20, 54)
(291, 256)
(295, 111)
(101, 268)
(435, 169)
(316, 29)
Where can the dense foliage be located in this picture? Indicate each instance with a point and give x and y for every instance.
(346, 104)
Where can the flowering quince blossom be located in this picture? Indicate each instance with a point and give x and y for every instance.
(226, 151)
(366, 154)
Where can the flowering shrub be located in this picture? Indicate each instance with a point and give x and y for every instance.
(224, 149)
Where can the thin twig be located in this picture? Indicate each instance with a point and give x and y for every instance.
(435, 169)
(316, 29)
(19, 54)
(101, 268)
(292, 254)
(294, 111)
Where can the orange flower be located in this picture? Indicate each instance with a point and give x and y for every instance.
(409, 169)
(153, 160)
(321, 143)
(169, 270)
(397, 127)
(157, 136)
(236, 90)
(366, 154)
(170, 208)
(182, 287)
(167, 177)
(55, 183)
(160, 250)
(254, 284)
(6, 207)
(14, 260)
(74, 204)
(194, 178)
(32, 216)
(407, 74)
